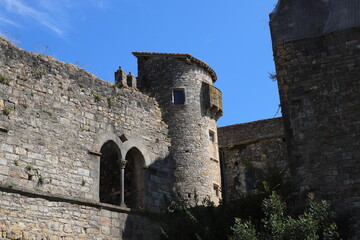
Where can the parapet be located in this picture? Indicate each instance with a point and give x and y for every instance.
(294, 19)
(188, 57)
(250, 132)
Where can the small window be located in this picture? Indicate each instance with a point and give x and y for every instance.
(211, 136)
(179, 96)
(251, 177)
(216, 190)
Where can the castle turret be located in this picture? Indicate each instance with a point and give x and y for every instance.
(316, 46)
(190, 105)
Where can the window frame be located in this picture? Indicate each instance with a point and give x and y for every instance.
(178, 89)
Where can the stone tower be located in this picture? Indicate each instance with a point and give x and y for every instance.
(316, 46)
(190, 105)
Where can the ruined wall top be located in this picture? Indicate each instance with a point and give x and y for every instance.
(249, 132)
(298, 19)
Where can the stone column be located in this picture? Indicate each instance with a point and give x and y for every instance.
(122, 183)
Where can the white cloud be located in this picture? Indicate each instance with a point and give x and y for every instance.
(9, 22)
(18, 7)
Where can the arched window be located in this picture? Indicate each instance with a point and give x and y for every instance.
(134, 187)
(110, 174)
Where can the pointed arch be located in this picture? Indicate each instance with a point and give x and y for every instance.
(110, 173)
(134, 180)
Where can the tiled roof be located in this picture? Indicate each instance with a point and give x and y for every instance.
(181, 55)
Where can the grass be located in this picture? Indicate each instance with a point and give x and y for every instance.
(110, 101)
(7, 111)
(29, 168)
(4, 80)
(97, 96)
(41, 179)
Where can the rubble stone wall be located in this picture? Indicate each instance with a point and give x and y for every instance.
(319, 82)
(247, 147)
(54, 119)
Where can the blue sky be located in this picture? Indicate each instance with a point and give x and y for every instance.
(232, 36)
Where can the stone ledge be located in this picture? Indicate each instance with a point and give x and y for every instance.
(78, 201)
(95, 153)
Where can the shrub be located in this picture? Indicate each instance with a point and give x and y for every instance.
(314, 224)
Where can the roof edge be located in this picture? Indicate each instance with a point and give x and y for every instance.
(199, 62)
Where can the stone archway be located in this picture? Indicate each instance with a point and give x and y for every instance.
(110, 173)
(134, 179)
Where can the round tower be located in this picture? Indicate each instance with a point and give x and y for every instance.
(191, 105)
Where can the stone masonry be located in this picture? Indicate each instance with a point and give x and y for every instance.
(55, 118)
(193, 150)
(246, 147)
(318, 73)
(79, 155)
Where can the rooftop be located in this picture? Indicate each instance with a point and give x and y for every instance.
(199, 62)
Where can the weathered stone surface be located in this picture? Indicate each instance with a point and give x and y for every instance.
(254, 143)
(60, 112)
(61, 127)
(319, 82)
(23, 217)
(195, 156)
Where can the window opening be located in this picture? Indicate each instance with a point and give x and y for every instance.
(251, 178)
(211, 136)
(110, 189)
(179, 96)
(216, 190)
(134, 181)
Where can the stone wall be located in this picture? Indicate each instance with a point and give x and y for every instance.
(56, 117)
(32, 216)
(319, 82)
(247, 147)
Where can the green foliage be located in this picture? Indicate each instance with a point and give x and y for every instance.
(83, 182)
(110, 101)
(4, 80)
(314, 224)
(16, 162)
(7, 111)
(243, 231)
(97, 96)
(201, 219)
(29, 168)
(41, 179)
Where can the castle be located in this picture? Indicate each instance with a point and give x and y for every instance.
(80, 157)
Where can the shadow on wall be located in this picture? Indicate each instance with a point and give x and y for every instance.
(130, 183)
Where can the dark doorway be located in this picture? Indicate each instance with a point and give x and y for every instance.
(134, 188)
(110, 173)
